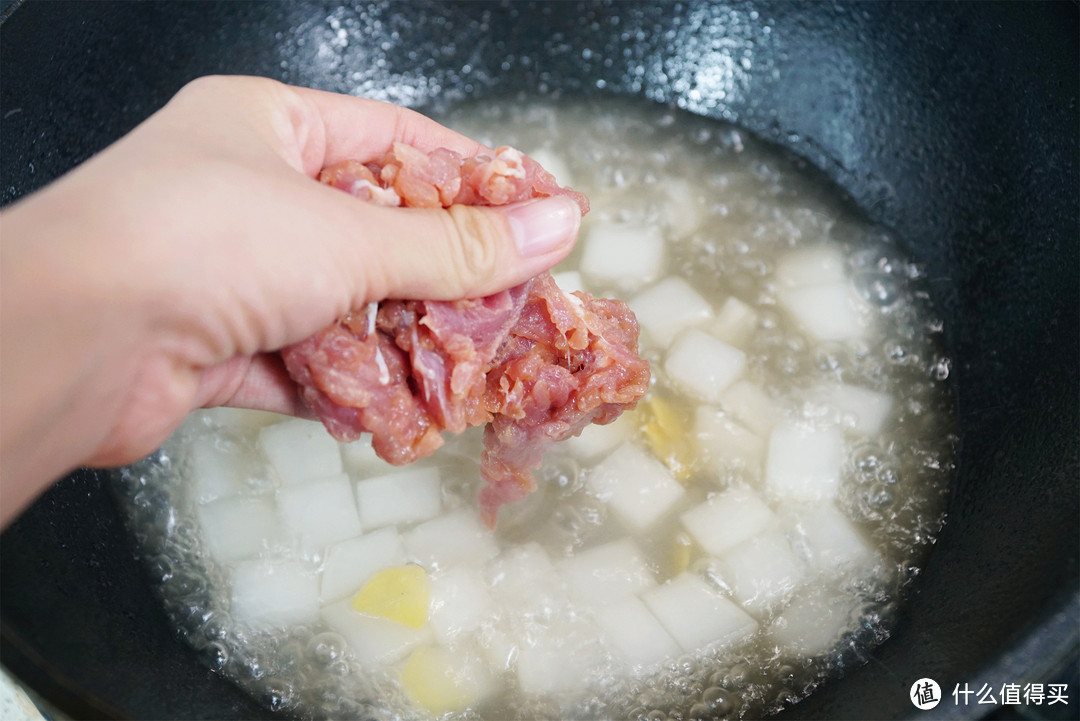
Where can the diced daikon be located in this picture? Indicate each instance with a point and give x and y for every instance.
(240, 418)
(561, 659)
(552, 162)
(374, 640)
(596, 440)
(627, 255)
(861, 410)
(727, 442)
(695, 615)
(235, 528)
(523, 580)
(460, 602)
(815, 622)
(812, 265)
(449, 540)
(735, 322)
(569, 281)
(350, 563)
(360, 460)
(605, 574)
(300, 450)
(762, 571)
(217, 472)
(751, 406)
(320, 512)
(804, 464)
(684, 210)
(638, 488)
(274, 592)
(405, 496)
(669, 307)
(830, 542)
(829, 311)
(727, 519)
(702, 365)
(636, 635)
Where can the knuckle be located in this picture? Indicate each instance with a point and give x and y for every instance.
(476, 238)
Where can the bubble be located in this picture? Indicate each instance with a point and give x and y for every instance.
(326, 648)
(878, 289)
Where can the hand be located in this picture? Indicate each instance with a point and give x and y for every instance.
(157, 277)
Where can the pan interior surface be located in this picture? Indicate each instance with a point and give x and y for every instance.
(955, 127)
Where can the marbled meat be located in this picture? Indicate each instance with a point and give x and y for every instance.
(534, 363)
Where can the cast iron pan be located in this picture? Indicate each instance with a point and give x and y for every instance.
(954, 124)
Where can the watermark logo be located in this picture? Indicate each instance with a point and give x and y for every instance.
(925, 694)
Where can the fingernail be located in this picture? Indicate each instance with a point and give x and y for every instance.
(540, 226)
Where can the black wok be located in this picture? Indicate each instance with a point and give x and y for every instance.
(956, 125)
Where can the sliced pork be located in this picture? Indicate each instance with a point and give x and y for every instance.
(534, 363)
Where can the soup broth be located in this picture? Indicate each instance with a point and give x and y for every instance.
(744, 534)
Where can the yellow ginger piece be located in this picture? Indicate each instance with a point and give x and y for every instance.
(667, 432)
(434, 679)
(400, 594)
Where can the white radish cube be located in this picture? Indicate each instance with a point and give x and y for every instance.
(375, 641)
(596, 440)
(638, 488)
(697, 616)
(241, 419)
(218, 472)
(804, 464)
(636, 635)
(460, 602)
(360, 460)
(300, 450)
(762, 571)
(498, 645)
(552, 162)
(703, 366)
(668, 308)
(236, 528)
(559, 660)
(829, 541)
(811, 266)
(350, 563)
(523, 580)
(449, 540)
(815, 622)
(735, 322)
(402, 497)
(274, 593)
(727, 519)
(751, 406)
(726, 442)
(320, 512)
(684, 212)
(861, 410)
(605, 574)
(569, 281)
(827, 312)
(627, 255)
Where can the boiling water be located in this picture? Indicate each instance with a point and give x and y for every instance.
(831, 343)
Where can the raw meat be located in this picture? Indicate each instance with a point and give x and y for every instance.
(536, 364)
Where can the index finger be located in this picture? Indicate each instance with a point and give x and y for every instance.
(363, 129)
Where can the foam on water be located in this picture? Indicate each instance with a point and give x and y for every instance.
(732, 210)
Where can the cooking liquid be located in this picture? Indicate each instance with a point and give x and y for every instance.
(731, 208)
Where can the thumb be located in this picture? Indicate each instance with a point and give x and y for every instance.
(462, 251)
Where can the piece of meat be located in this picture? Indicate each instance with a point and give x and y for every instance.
(536, 364)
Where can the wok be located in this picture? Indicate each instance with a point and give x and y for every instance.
(955, 124)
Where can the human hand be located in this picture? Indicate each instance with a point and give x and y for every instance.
(157, 277)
